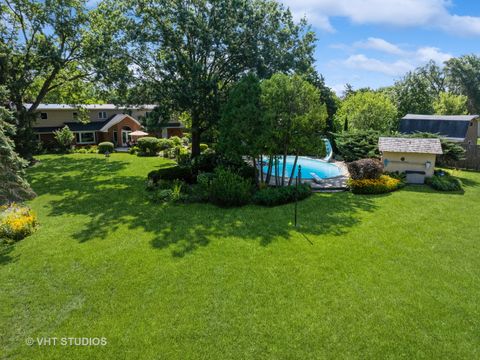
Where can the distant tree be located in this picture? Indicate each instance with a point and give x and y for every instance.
(295, 117)
(13, 186)
(413, 95)
(187, 54)
(450, 104)
(327, 97)
(64, 137)
(463, 76)
(368, 111)
(44, 46)
(358, 144)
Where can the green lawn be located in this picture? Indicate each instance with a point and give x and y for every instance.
(391, 276)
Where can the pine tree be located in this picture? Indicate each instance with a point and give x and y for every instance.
(13, 186)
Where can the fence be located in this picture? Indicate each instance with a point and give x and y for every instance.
(471, 161)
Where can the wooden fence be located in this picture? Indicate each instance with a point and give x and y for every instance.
(471, 161)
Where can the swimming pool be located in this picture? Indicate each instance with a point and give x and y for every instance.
(320, 168)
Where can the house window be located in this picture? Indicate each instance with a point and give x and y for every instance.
(43, 116)
(115, 137)
(87, 137)
(102, 114)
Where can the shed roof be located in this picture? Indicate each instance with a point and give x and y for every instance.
(410, 145)
(454, 127)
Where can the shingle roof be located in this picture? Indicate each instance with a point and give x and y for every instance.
(90, 126)
(452, 127)
(91, 107)
(410, 145)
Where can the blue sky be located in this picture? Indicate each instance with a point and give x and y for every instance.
(374, 42)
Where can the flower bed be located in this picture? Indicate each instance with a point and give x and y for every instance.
(381, 185)
(16, 222)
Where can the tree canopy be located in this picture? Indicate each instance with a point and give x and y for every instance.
(367, 110)
(186, 55)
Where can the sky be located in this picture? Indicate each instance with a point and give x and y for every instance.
(374, 42)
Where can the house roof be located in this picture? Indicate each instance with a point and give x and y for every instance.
(115, 120)
(451, 126)
(91, 107)
(410, 145)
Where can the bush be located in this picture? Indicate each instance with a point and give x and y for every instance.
(81, 151)
(170, 191)
(105, 147)
(16, 222)
(365, 169)
(355, 145)
(443, 181)
(203, 147)
(206, 162)
(64, 138)
(229, 189)
(381, 185)
(133, 150)
(183, 156)
(273, 196)
(201, 191)
(164, 144)
(172, 173)
(176, 141)
(149, 146)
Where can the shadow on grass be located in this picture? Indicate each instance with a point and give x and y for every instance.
(5, 256)
(110, 197)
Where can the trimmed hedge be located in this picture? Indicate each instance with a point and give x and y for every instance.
(382, 185)
(106, 146)
(172, 173)
(273, 196)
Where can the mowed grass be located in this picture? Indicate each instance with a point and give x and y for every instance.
(367, 277)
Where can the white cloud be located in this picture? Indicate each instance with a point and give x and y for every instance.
(363, 62)
(425, 54)
(425, 13)
(380, 45)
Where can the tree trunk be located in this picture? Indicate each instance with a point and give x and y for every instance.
(195, 142)
(292, 175)
(255, 169)
(276, 171)
(284, 166)
(269, 171)
(261, 169)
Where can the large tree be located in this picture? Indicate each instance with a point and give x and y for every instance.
(187, 53)
(296, 119)
(367, 110)
(463, 76)
(44, 45)
(450, 104)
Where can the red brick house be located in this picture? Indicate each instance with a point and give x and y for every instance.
(107, 123)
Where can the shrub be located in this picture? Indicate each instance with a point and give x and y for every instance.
(443, 181)
(91, 149)
(201, 191)
(355, 145)
(64, 138)
(164, 144)
(203, 147)
(365, 169)
(176, 141)
(183, 156)
(81, 151)
(105, 147)
(172, 173)
(206, 162)
(148, 145)
(381, 185)
(229, 189)
(273, 196)
(134, 150)
(16, 222)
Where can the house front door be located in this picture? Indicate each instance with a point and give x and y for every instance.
(125, 137)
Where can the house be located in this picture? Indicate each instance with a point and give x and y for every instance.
(413, 156)
(459, 128)
(108, 122)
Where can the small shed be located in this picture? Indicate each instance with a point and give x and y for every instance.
(413, 156)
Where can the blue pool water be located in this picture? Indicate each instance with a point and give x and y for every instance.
(320, 168)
